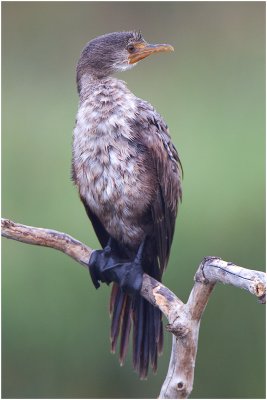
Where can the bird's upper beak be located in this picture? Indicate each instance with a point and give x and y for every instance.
(143, 50)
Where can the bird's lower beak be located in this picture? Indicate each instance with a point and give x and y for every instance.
(145, 50)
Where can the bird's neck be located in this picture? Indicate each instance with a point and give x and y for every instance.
(91, 86)
(106, 104)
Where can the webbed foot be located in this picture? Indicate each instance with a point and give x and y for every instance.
(107, 266)
(99, 261)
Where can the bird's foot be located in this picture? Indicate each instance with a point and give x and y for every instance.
(99, 261)
(106, 266)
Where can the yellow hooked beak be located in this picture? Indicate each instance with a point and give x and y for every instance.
(143, 50)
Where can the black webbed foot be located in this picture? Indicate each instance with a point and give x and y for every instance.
(107, 266)
(101, 260)
(131, 273)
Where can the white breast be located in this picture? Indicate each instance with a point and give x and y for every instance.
(105, 159)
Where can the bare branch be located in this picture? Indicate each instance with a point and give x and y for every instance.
(48, 238)
(184, 319)
(214, 269)
(151, 289)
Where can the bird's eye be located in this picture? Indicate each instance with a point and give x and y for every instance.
(131, 48)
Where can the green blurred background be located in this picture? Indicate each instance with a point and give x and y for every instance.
(211, 91)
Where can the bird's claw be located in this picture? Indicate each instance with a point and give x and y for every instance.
(105, 266)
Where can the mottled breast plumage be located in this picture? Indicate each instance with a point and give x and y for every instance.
(123, 160)
(108, 162)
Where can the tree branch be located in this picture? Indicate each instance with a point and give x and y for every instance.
(184, 319)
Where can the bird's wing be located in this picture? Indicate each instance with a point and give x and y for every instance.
(153, 133)
(99, 229)
(97, 225)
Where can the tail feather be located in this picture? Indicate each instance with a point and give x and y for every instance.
(125, 329)
(144, 357)
(116, 319)
(160, 342)
(147, 329)
(158, 329)
(138, 322)
(114, 291)
(152, 340)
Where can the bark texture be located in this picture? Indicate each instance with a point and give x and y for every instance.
(184, 318)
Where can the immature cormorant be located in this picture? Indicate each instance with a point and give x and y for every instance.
(128, 174)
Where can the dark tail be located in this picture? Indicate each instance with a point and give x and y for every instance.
(147, 329)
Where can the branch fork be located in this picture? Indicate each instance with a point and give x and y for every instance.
(183, 318)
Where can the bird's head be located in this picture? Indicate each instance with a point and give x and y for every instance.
(115, 52)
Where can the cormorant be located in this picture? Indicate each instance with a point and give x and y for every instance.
(128, 174)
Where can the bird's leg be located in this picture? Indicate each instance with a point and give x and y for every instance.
(101, 260)
(107, 266)
(129, 275)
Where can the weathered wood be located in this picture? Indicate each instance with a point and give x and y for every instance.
(48, 238)
(184, 319)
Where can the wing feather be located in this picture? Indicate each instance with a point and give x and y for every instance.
(153, 133)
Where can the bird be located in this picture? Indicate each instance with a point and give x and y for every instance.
(128, 174)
